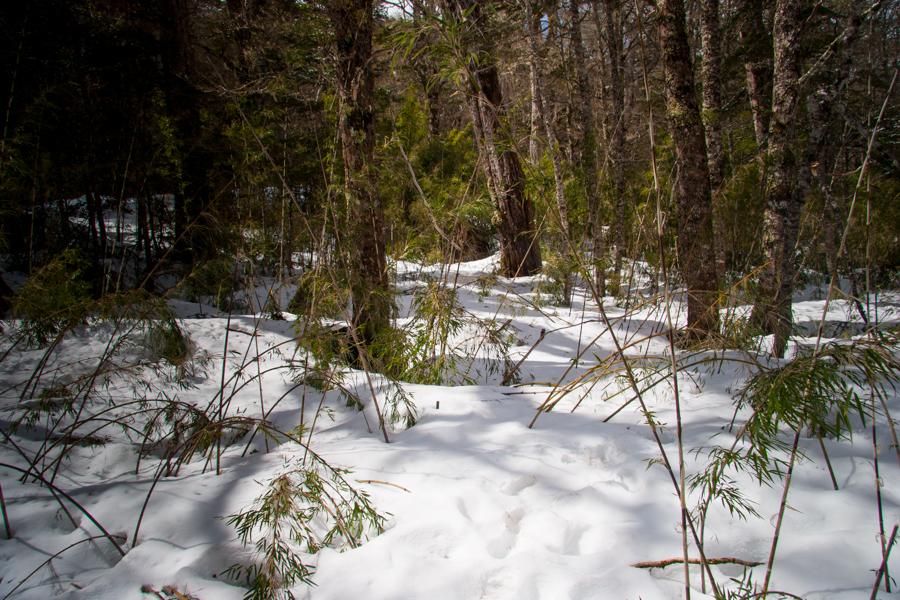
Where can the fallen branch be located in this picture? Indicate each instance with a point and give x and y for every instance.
(725, 560)
(399, 487)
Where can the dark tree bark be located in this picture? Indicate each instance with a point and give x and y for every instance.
(825, 113)
(711, 68)
(616, 126)
(787, 177)
(757, 48)
(143, 236)
(585, 144)
(183, 99)
(6, 295)
(352, 22)
(543, 124)
(692, 191)
(520, 252)
(783, 200)
(426, 72)
(534, 137)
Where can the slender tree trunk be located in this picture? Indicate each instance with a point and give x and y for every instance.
(97, 201)
(692, 191)
(616, 127)
(757, 47)
(92, 224)
(183, 100)
(537, 109)
(6, 295)
(547, 131)
(783, 200)
(427, 74)
(562, 114)
(585, 146)
(144, 232)
(353, 22)
(712, 117)
(520, 252)
(534, 137)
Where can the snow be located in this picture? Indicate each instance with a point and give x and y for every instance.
(478, 504)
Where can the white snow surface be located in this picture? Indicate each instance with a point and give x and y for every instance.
(478, 504)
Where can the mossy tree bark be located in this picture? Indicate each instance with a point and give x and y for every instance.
(585, 143)
(616, 126)
(520, 251)
(757, 50)
(692, 189)
(783, 198)
(353, 22)
(711, 70)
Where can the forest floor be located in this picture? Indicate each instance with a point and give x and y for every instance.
(476, 503)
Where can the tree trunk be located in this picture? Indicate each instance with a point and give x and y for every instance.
(352, 21)
(537, 101)
(520, 252)
(143, 232)
(545, 128)
(534, 144)
(823, 112)
(585, 146)
(783, 201)
(712, 117)
(616, 127)
(183, 100)
(692, 192)
(426, 72)
(6, 295)
(757, 65)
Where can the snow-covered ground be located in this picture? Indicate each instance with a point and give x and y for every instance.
(477, 504)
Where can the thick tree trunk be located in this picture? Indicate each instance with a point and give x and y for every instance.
(352, 21)
(520, 252)
(783, 200)
(712, 116)
(692, 191)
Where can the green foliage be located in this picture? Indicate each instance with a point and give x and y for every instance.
(166, 340)
(439, 318)
(401, 409)
(452, 220)
(53, 299)
(738, 209)
(307, 508)
(556, 279)
(819, 391)
(320, 295)
(880, 197)
(214, 281)
(328, 344)
(442, 335)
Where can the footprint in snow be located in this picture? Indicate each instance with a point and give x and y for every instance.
(501, 546)
(461, 507)
(513, 487)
